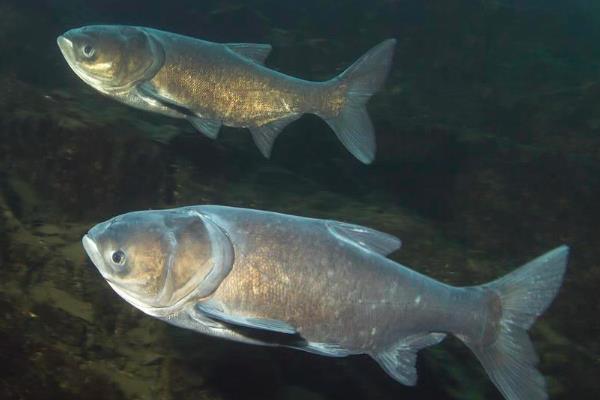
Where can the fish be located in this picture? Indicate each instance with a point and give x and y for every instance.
(214, 84)
(322, 286)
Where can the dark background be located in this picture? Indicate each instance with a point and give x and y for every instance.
(488, 135)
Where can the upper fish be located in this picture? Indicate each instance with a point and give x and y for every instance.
(321, 286)
(214, 84)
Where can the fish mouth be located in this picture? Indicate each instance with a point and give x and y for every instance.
(64, 44)
(67, 48)
(94, 254)
(68, 51)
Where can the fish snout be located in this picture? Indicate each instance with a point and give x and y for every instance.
(66, 47)
(93, 252)
(64, 43)
(89, 245)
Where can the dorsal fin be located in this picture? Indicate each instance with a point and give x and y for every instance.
(370, 239)
(257, 52)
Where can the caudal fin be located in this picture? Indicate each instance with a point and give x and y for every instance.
(510, 359)
(362, 79)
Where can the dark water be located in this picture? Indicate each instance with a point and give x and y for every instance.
(488, 135)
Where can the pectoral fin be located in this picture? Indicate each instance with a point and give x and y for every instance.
(216, 312)
(254, 51)
(148, 93)
(208, 127)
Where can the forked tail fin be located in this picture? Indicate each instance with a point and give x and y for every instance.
(362, 79)
(509, 358)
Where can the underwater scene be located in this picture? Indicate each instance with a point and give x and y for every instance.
(300, 200)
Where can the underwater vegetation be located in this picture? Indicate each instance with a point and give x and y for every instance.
(488, 136)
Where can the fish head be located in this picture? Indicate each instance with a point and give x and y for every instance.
(156, 260)
(111, 57)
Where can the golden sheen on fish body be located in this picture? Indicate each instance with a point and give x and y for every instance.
(213, 84)
(321, 286)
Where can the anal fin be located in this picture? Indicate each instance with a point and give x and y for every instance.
(208, 127)
(400, 361)
(264, 135)
(326, 349)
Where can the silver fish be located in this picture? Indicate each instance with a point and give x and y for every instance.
(320, 286)
(213, 84)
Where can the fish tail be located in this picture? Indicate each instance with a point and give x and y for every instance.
(360, 81)
(504, 348)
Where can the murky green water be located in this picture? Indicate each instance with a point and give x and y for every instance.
(488, 135)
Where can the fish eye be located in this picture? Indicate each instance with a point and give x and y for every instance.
(118, 257)
(88, 50)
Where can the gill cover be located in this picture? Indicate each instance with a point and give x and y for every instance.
(202, 256)
(111, 57)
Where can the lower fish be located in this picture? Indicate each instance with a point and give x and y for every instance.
(214, 84)
(321, 286)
